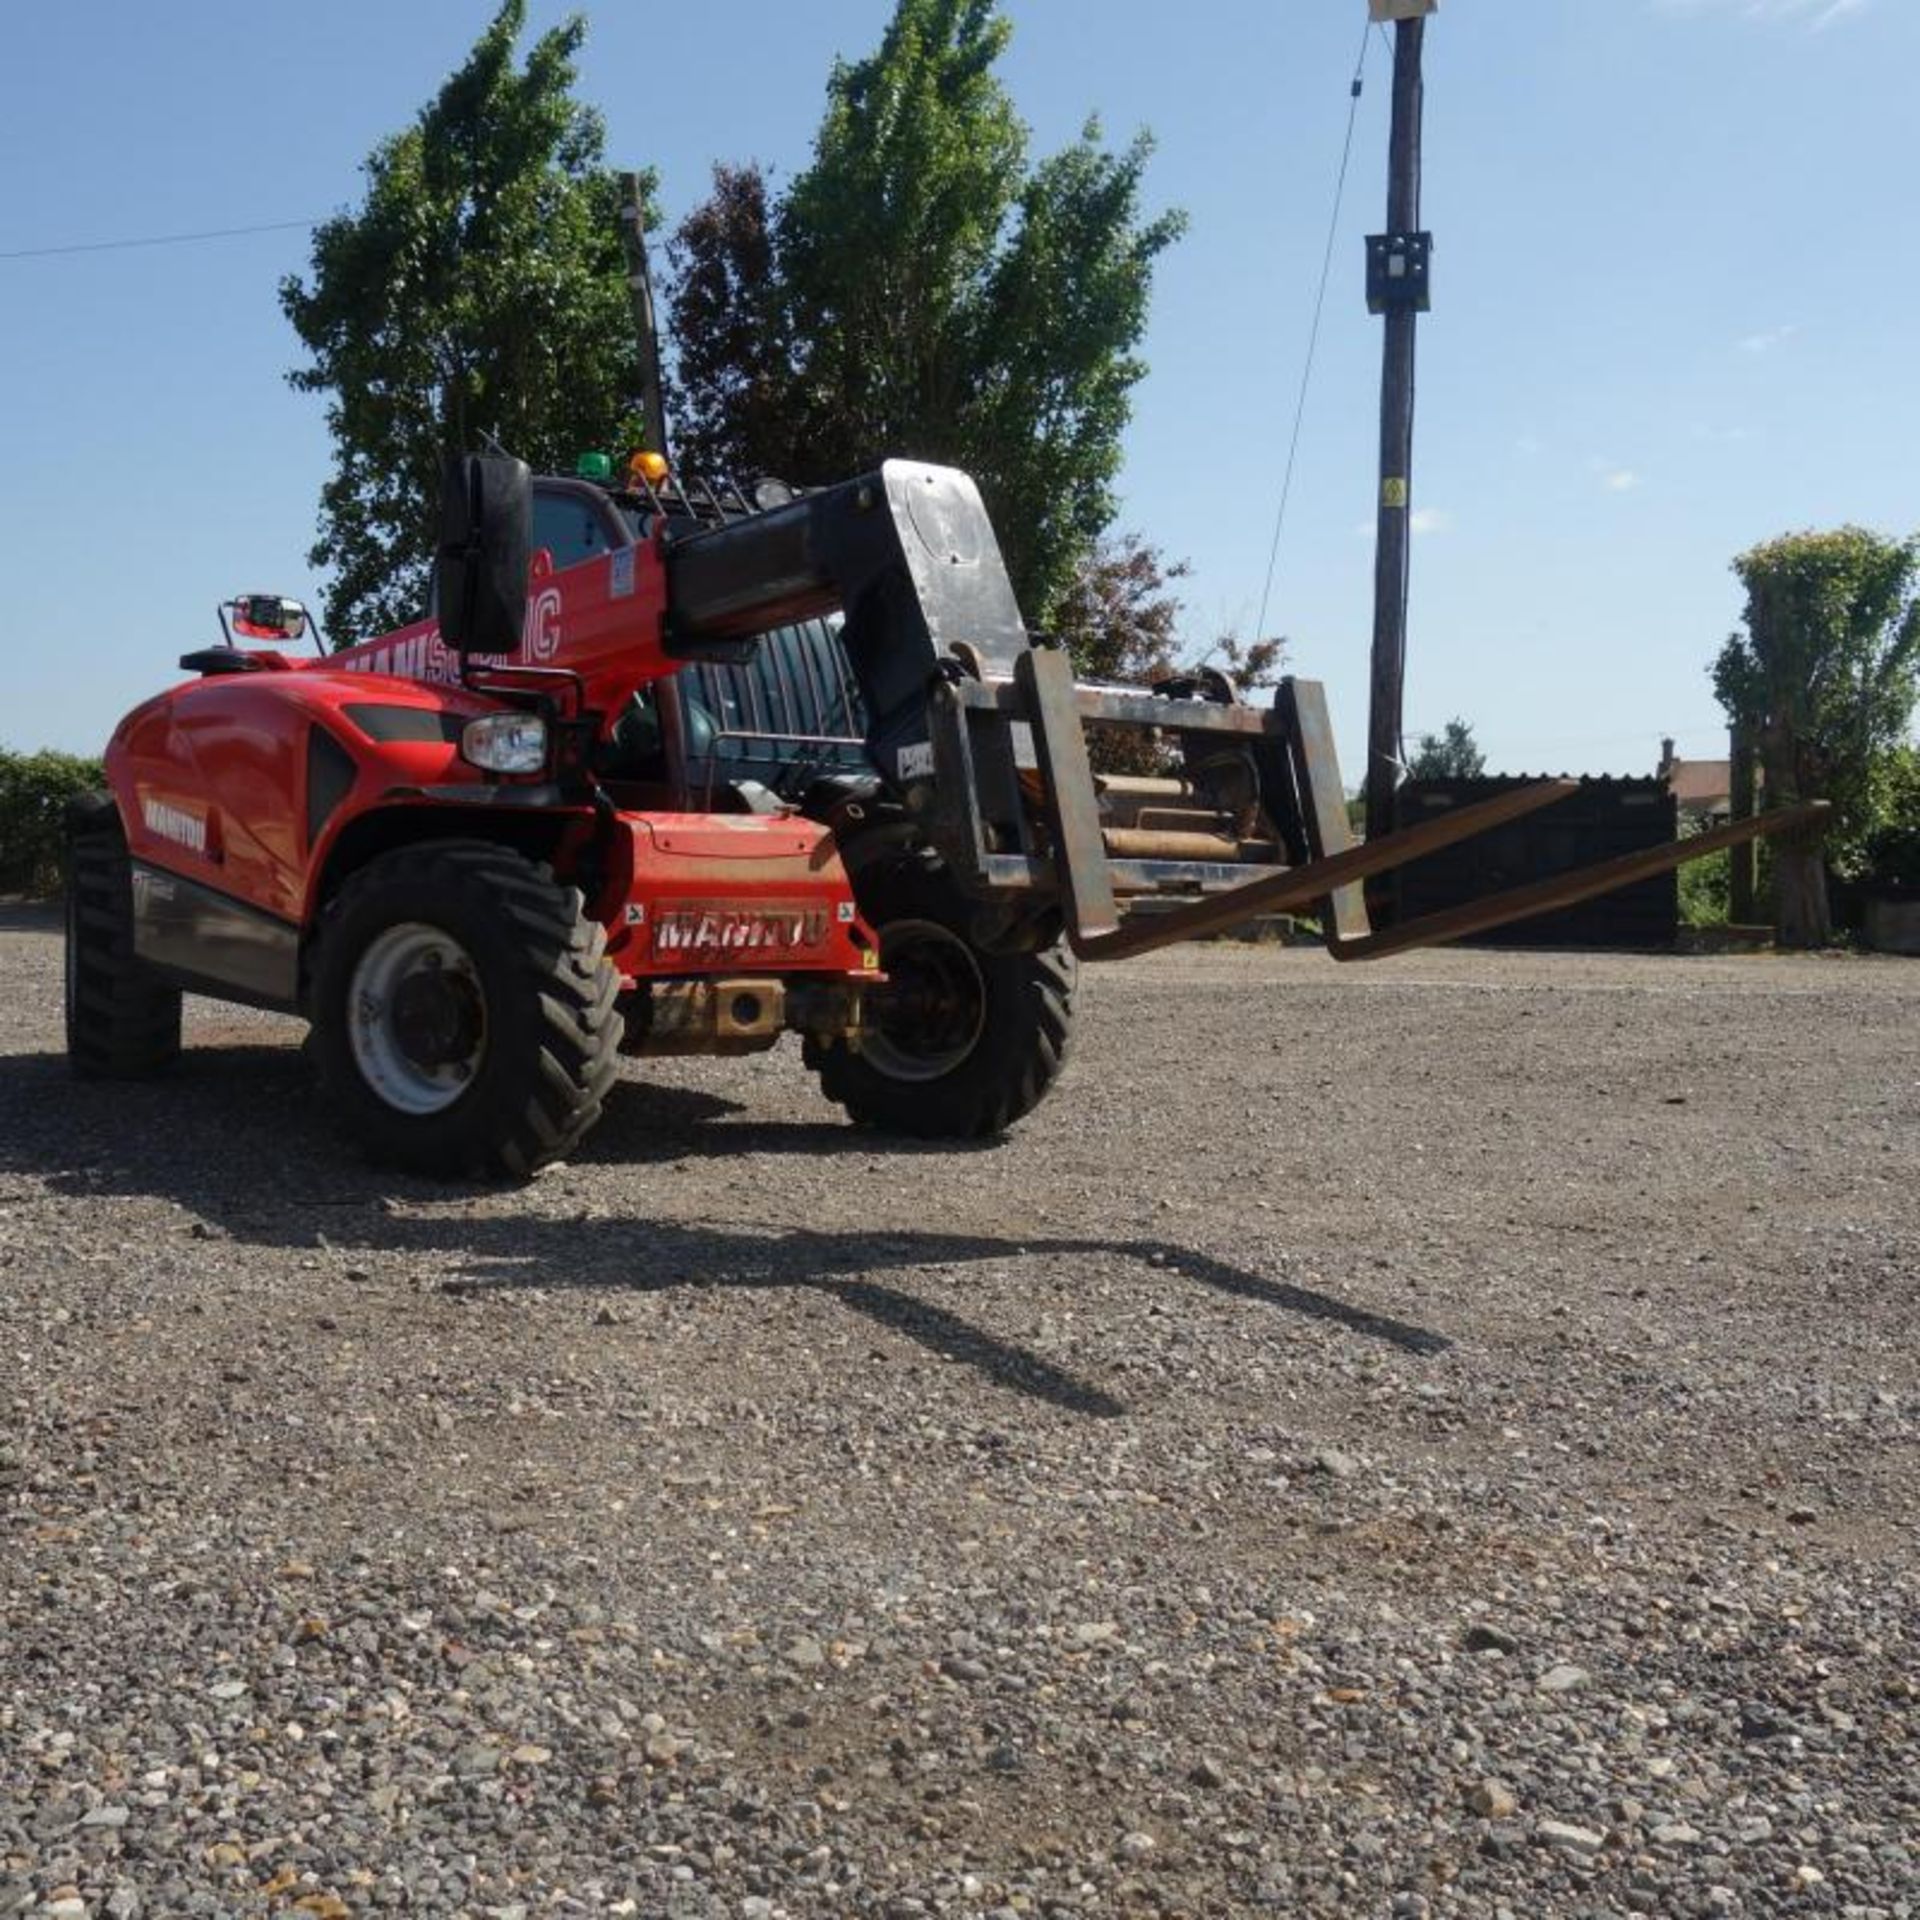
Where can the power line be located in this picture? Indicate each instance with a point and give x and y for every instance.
(155, 240)
(1313, 336)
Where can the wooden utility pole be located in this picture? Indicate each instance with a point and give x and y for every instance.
(633, 237)
(1397, 287)
(1742, 890)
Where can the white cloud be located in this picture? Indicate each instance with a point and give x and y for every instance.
(1817, 15)
(1613, 476)
(1766, 340)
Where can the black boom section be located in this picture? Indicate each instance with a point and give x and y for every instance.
(906, 553)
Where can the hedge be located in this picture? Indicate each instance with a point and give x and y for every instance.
(34, 791)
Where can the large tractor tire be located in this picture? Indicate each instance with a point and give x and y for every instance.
(123, 1021)
(464, 1012)
(961, 1042)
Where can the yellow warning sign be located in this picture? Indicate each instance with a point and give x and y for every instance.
(1393, 493)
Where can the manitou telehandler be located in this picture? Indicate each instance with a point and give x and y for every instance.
(675, 771)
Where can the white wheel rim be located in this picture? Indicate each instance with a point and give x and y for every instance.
(414, 1062)
(948, 964)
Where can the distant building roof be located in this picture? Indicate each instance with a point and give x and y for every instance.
(1702, 783)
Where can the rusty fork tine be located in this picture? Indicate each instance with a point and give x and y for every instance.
(1568, 889)
(1302, 886)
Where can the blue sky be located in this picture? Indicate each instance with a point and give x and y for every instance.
(1674, 297)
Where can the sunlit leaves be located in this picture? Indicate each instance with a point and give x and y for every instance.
(479, 287)
(923, 289)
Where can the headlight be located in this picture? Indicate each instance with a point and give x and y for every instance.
(505, 742)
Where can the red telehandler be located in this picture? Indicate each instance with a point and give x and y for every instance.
(676, 771)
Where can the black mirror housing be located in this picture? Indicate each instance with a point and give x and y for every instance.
(486, 546)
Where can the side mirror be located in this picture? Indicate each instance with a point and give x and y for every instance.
(267, 616)
(486, 537)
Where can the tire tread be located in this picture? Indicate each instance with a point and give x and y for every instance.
(561, 972)
(123, 1021)
(1021, 1055)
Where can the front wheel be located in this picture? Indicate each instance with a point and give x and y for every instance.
(464, 1011)
(960, 1042)
(123, 1021)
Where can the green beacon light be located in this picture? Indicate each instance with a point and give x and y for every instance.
(594, 466)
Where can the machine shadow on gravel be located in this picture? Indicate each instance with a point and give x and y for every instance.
(233, 1138)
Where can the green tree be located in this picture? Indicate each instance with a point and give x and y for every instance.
(1824, 680)
(34, 791)
(922, 288)
(1890, 849)
(478, 288)
(1451, 754)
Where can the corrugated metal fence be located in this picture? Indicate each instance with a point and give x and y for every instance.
(1603, 819)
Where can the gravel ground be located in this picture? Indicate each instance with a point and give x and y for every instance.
(1433, 1439)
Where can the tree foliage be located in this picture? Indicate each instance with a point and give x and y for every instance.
(1120, 617)
(1890, 848)
(1824, 679)
(34, 791)
(1451, 754)
(479, 287)
(1120, 620)
(733, 406)
(1705, 891)
(922, 288)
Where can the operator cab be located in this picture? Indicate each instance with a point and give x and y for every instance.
(715, 737)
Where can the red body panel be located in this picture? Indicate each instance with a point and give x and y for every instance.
(602, 620)
(212, 777)
(734, 893)
(212, 781)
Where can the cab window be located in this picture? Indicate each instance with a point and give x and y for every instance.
(570, 526)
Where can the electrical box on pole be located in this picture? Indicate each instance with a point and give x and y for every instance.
(1399, 267)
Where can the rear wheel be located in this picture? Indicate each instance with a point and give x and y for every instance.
(122, 1019)
(960, 1043)
(464, 1011)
